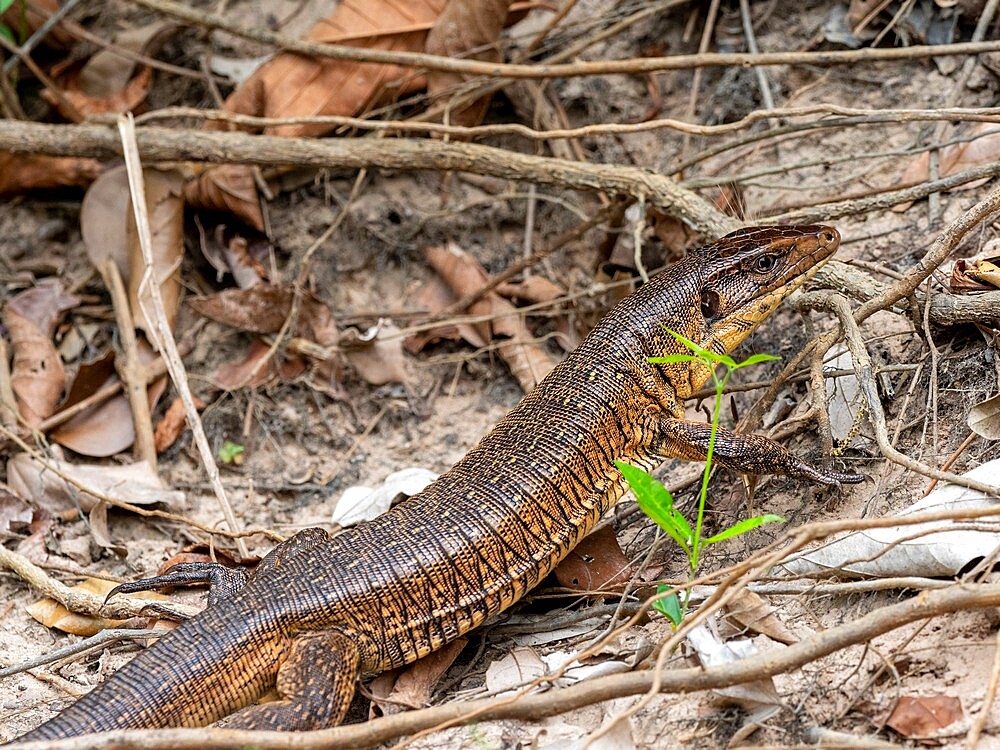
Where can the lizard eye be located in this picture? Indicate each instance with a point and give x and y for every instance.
(711, 304)
(765, 263)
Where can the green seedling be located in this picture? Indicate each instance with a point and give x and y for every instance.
(232, 453)
(656, 501)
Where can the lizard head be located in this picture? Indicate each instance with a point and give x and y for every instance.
(745, 276)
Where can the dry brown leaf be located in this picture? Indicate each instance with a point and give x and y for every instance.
(227, 187)
(248, 373)
(466, 29)
(106, 428)
(37, 376)
(921, 716)
(134, 483)
(395, 692)
(291, 85)
(107, 81)
(52, 614)
(16, 514)
(754, 613)
(528, 361)
(86, 105)
(103, 221)
(20, 173)
(532, 290)
(108, 227)
(595, 564)
(173, 423)
(955, 158)
(260, 309)
(376, 354)
(246, 271)
(984, 418)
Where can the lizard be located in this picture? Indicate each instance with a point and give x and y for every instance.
(320, 611)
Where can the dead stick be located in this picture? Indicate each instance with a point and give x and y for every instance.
(8, 404)
(160, 331)
(163, 144)
(564, 70)
(928, 604)
(130, 368)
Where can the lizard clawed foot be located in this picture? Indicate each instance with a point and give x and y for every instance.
(223, 581)
(822, 476)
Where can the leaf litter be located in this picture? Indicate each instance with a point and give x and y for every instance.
(238, 194)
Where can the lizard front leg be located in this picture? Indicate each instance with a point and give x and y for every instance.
(750, 454)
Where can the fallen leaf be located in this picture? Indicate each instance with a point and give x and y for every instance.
(752, 612)
(925, 715)
(106, 428)
(108, 81)
(20, 173)
(412, 687)
(359, 503)
(376, 355)
(955, 158)
(134, 483)
(246, 271)
(52, 614)
(227, 187)
(931, 550)
(984, 418)
(520, 667)
(250, 373)
(170, 427)
(292, 85)
(713, 651)
(103, 221)
(37, 375)
(465, 29)
(107, 224)
(986, 272)
(16, 514)
(531, 289)
(843, 394)
(528, 361)
(596, 564)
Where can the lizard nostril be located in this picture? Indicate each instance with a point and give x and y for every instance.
(827, 237)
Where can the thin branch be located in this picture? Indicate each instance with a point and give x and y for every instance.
(533, 707)
(161, 144)
(424, 61)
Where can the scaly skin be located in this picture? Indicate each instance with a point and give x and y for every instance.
(319, 611)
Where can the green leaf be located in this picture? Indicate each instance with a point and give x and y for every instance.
(744, 526)
(231, 453)
(5, 5)
(656, 502)
(696, 348)
(669, 606)
(670, 358)
(755, 359)
(7, 33)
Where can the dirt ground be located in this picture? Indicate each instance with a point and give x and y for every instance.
(304, 447)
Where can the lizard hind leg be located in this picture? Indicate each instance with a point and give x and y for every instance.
(315, 685)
